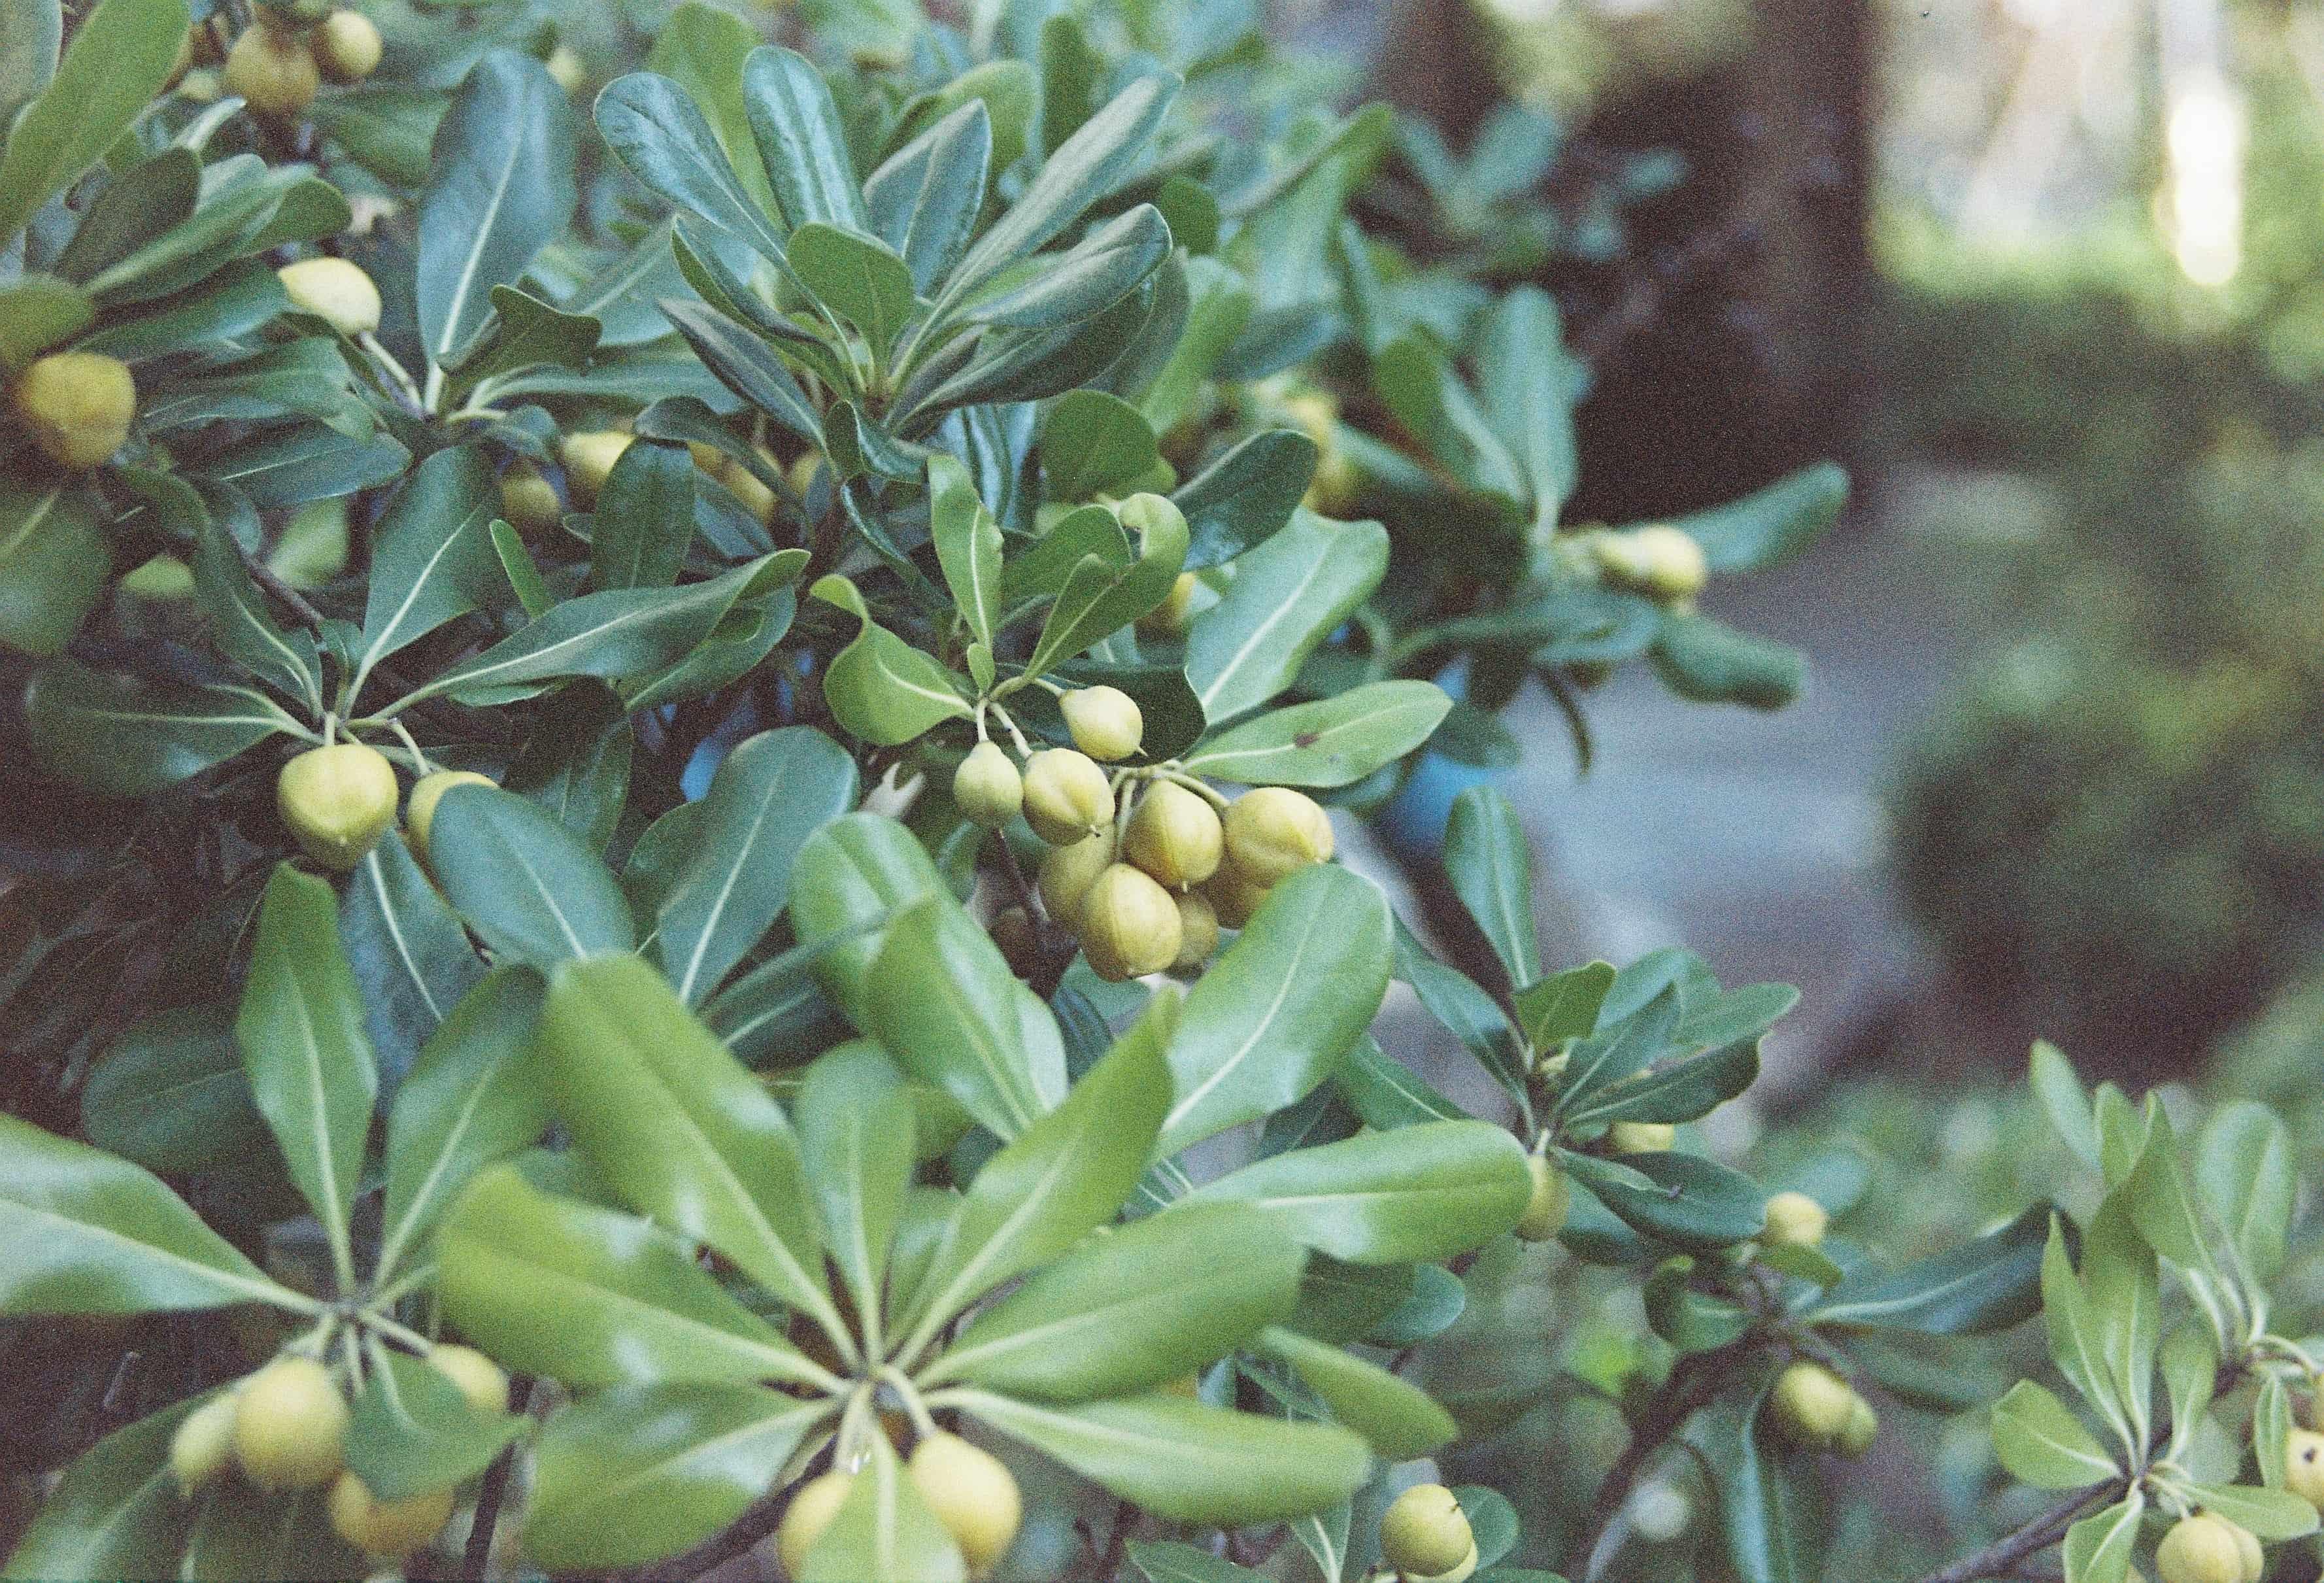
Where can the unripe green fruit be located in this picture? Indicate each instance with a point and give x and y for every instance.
(1813, 1404)
(1641, 1137)
(482, 1381)
(988, 786)
(1104, 721)
(1174, 836)
(1233, 898)
(334, 290)
(1458, 1574)
(1067, 796)
(1171, 618)
(1545, 1212)
(290, 1425)
(1795, 1220)
(419, 813)
(2304, 1466)
(803, 473)
(204, 1442)
(1129, 924)
(386, 1528)
(347, 47)
(2200, 1548)
(274, 73)
(1273, 831)
(201, 86)
(1425, 1532)
(589, 459)
(1068, 872)
(1863, 1427)
(337, 802)
(971, 1494)
(811, 1511)
(530, 501)
(1198, 931)
(1143, 513)
(77, 405)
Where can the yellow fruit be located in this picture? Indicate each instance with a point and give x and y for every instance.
(1813, 1404)
(274, 73)
(1174, 836)
(1425, 1532)
(1657, 558)
(1129, 924)
(2200, 1548)
(333, 290)
(589, 458)
(1273, 831)
(1641, 1137)
(566, 68)
(811, 1511)
(1068, 872)
(971, 1494)
(201, 86)
(1795, 1220)
(530, 501)
(204, 1440)
(338, 800)
(988, 786)
(1863, 1427)
(2247, 1548)
(419, 813)
(1067, 796)
(1459, 1573)
(1198, 931)
(347, 47)
(290, 1425)
(386, 1528)
(802, 475)
(1545, 1212)
(1170, 617)
(481, 1380)
(77, 405)
(1143, 515)
(1104, 721)
(1233, 898)
(757, 499)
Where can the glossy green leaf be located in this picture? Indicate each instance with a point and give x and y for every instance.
(644, 518)
(412, 1432)
(310, 1063)
(244, 626)
(432, 558)
(880, 689)
(2273, 1515)
(2041, 1442)
(924, 199)
(859, 277)
(234, 1538)
(855, 1120)
(802, 141)
(40, 311)
(1278, 1011)
(635, 1474)
(1288, 595)
(1684, 1199)
(522, 881)
(883, 1529)
(121, 54)
(1771, 526)
(1419, 1193)
(1050, 290)
(2097, 1548)
(850, 877)
(1094, 442)
(554, 1286)
(116, 1512)
(2052, 1078)
(1331, 741)
(1396, 1417)
(1246, 497)
(1529, 384)
(968, 546)
(1768, 1512)
(2244, 1168)
(171, 1094)
(1564, 1005)
(1709, 661)
(54, 565)
(1385, 1094)
(658, 132)
(1489, 864)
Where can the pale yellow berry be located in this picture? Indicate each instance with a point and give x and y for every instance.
(334, 290)
(565, 70)
(386, 1528)
(1641, 1137)
(77, 405)
(1174, 836)
(1129, 924)
(530, 501)
(1171, 616)
(2199, 1549)
(272, 72)
(589, 458)
(987, 786)
(1067, 796)
(203, 1443)
(1068, 872)
(1425, 1532)
(1795, 1220)
(337, 802)
(347, 47)
(1234, 899)
(290, 1425)
(1273, 832)
(1657, 558)
(1198, 931)
(1860, 1429)
(971, 1494)
(1104, 721)
(2304, 1466)
(1813, 1404)
(811, 1510)
(483, 1382)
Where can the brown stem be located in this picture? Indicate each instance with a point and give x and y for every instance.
(477, 1560)
(265, 576)
(1694, 1382)
(2005, 1556)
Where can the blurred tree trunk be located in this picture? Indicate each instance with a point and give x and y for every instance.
(1437, 63)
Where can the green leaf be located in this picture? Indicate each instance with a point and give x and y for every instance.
(306, 461)
(880, 689)
(2097, 1548)
(2043, 1444)
(1100, 597)
(1095, 444)
(2157, 1200)
(1767, 1508)
(1278, 1011)
(968, 546)
(1707, 661)
(802, 140)
(925, 197)
(1528, 385)
(1772, 526)
(553, 1286)
(412, 1432)
(474, 1098)
(171, 1094)
(432, 558)
(1126, 1312)
(1331, 742)
(1054, 290)
(857, 277)
(943, 1001)
(1491, 867)
(31, 34)
(883, 1529)
(525, 332)
(637, 1473)
(2076, 1346)
(1684, 1199)
(120, 57)
(1691, 1320)
(233, 1537)
(245, 628)
(1398, 1418)
(86, 1233)
(1181, 1460)
(1419, 1193)
(644, 518)
(1626, 1046)
(527, 886)
(855, 1119)
(310, 1063)
(1290, 593)
(54, 564)
(116, 1512)
(1387, 1093)
(1676, 1091)
(1246, 497)
(677, 1126)
(1414, 379)
(850, 877)
(1068, 1172)
(1986, 1283)
(500, 188)
(655, 128)
(2243, 1166)
(1169, 1561)
(40, 311)
(1564, 1005)
(412, 960)
(2125, 1300)
(2273, 1515)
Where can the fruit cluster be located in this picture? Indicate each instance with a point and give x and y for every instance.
(280, 62)
(1148, 864)
(531, 502)
(966, 1486)
(339, 800)
(285, 1429)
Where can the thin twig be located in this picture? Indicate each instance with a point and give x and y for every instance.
(1694, 1382)
(265, 576)
(478, 1557)
(2004, 1556)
